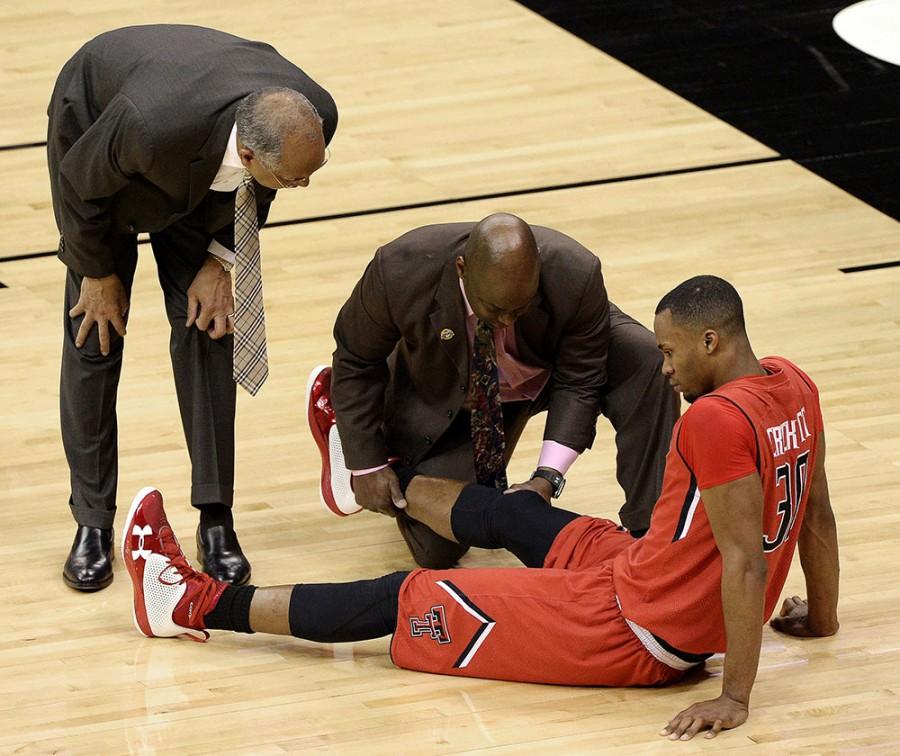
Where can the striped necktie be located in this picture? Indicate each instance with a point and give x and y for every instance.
(251, 364)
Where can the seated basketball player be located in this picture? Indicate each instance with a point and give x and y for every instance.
(744, 484)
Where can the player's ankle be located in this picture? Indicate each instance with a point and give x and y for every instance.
(232, 610)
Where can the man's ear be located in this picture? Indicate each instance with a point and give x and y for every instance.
(710, 341)
(460, 265)
(247, 156)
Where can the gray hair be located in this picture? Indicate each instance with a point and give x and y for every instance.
(265, 117)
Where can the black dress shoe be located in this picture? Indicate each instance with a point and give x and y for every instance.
(430, 550)
(89, 566)
(220, 555)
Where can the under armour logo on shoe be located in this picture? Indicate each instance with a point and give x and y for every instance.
(141, 533)
(432, 624)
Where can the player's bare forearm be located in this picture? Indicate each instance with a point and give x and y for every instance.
(818, 547)
(743, 600)
(735, 514)
(743, 593)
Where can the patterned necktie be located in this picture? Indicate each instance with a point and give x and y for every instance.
(251, 363)
(486, 418)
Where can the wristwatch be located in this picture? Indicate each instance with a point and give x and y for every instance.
(554, 478)
(226, 265)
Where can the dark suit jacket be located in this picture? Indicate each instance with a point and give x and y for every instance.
(397, 386)
(139, 121)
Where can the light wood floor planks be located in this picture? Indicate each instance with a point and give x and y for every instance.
(438, 100)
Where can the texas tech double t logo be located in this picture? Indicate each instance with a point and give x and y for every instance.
(432, 624)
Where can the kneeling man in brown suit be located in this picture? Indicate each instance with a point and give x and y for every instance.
(453, 338)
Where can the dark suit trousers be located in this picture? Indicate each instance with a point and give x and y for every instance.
(203, 384)
(638, 402)
(642, 408)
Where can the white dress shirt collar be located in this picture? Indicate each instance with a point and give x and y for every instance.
(231, 171)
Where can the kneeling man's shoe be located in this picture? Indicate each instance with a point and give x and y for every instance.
(89, 564)
(335, 490)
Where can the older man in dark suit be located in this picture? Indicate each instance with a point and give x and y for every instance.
(185, 133)
(454, 337)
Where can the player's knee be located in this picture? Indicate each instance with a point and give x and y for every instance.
(482, 516)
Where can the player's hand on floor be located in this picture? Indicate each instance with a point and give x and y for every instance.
(719, 714)
(794, 619)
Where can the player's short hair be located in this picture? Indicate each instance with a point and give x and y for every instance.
(705, 302)
(265, 117)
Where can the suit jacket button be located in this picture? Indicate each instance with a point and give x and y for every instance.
(449, 413)
(428, 439)
(131, 228)
(463, 389)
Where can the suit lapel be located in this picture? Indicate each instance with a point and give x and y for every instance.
(204, 167)
(531, 333)
(448, 319)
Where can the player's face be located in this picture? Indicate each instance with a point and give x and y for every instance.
(686, 361)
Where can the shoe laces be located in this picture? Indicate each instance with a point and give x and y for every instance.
(204, 590)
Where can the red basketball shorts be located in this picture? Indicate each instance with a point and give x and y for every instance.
(558, 624)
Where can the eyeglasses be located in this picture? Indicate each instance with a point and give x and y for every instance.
(293, 183)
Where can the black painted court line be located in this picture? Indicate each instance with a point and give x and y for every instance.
(870, 266)
(24, 146)
(477, 197)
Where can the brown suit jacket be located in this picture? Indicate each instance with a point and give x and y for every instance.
(397, 385)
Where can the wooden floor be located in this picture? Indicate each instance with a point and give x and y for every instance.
(438, 100)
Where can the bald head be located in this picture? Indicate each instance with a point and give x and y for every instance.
(500, 268)
(283, 131)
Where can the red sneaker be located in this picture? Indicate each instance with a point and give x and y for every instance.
(170, 597)
(335, 490)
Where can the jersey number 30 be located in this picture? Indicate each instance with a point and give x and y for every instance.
(794, 484)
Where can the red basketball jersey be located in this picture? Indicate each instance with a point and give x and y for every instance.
(669, 582)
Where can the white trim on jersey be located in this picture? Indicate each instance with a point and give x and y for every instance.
(690, 515)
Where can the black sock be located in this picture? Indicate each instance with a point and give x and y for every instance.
(339, 612)
(233, 610)
(215, 514)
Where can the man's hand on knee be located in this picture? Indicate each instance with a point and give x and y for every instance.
(538, 485)
(379, 491)
(103, 302)
(211, 301)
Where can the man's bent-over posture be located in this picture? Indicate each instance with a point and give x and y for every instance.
(184, 133)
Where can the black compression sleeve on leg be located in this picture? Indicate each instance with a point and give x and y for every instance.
(340, 612)
(232, 612)
(521, 522)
